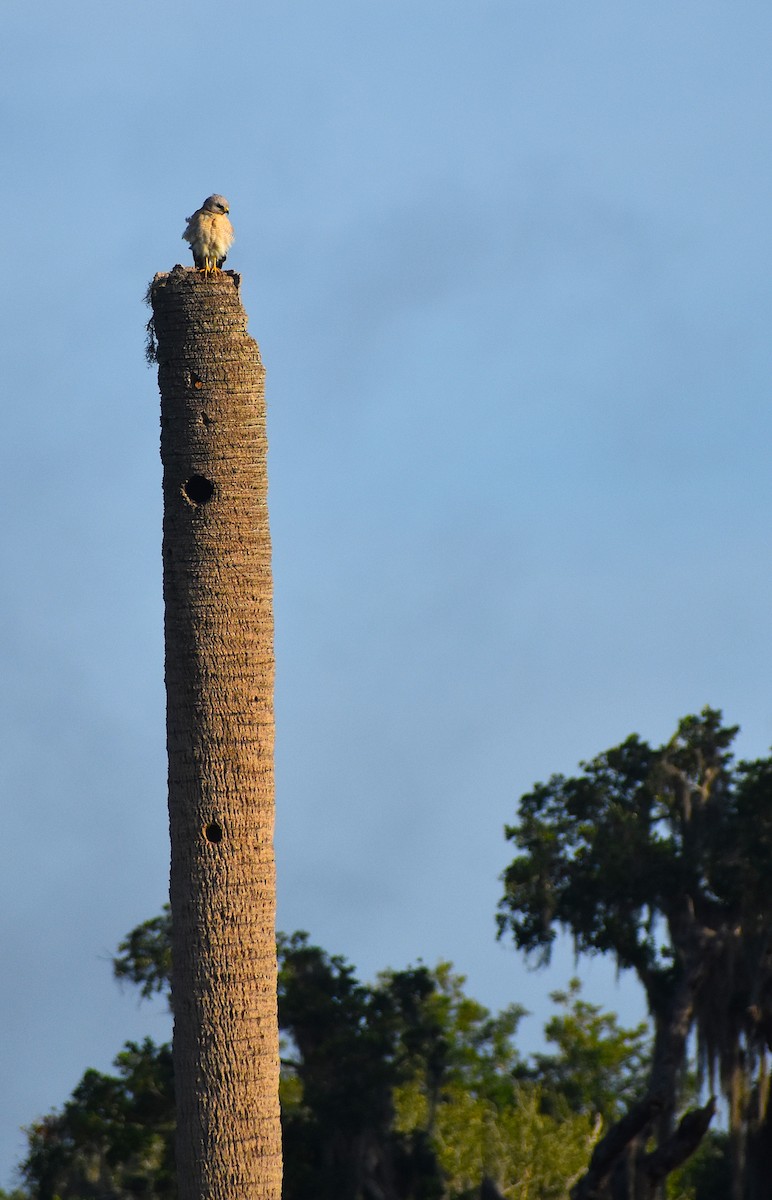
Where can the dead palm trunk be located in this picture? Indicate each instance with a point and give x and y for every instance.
(219, 683)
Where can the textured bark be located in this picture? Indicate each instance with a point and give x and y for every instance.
(220, 731)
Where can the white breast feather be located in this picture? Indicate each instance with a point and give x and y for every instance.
(210, 235)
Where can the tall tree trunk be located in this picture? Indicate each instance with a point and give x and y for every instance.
(220, 729)
(622, 1167)
(759, 1157)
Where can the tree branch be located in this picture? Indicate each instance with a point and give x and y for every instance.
(681, 1144)
(610, 1148)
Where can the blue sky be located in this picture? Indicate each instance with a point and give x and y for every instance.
(509, 266)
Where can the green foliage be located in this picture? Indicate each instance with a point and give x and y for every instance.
(477, 1113)
(408, 1086)
(436, 1076)
(660, 858)
(411, 1090)
(449, 1039)
(144, 957)
(599, 1067)
(610, 854)
(527, 1153)
(113, 1137)
(705, 1176)
(343, 1036)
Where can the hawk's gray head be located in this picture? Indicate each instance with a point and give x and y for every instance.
(215, 204)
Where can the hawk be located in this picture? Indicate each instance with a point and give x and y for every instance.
(210, 234)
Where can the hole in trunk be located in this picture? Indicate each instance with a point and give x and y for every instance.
(213, 833)
(198, 489)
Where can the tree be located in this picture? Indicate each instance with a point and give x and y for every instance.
(144, 956)
(407, 1089)
(342, 1034)
(467, 1092)
(220, 729)
(707, 1175)
(655, 856)
(521, 1150)
(113, 1137)
(599, 1067)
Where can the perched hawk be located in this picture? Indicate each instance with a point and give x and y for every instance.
(210, 234)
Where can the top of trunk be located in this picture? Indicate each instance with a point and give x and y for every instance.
(185, 299)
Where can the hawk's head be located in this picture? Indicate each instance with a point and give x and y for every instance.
(215, 204)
